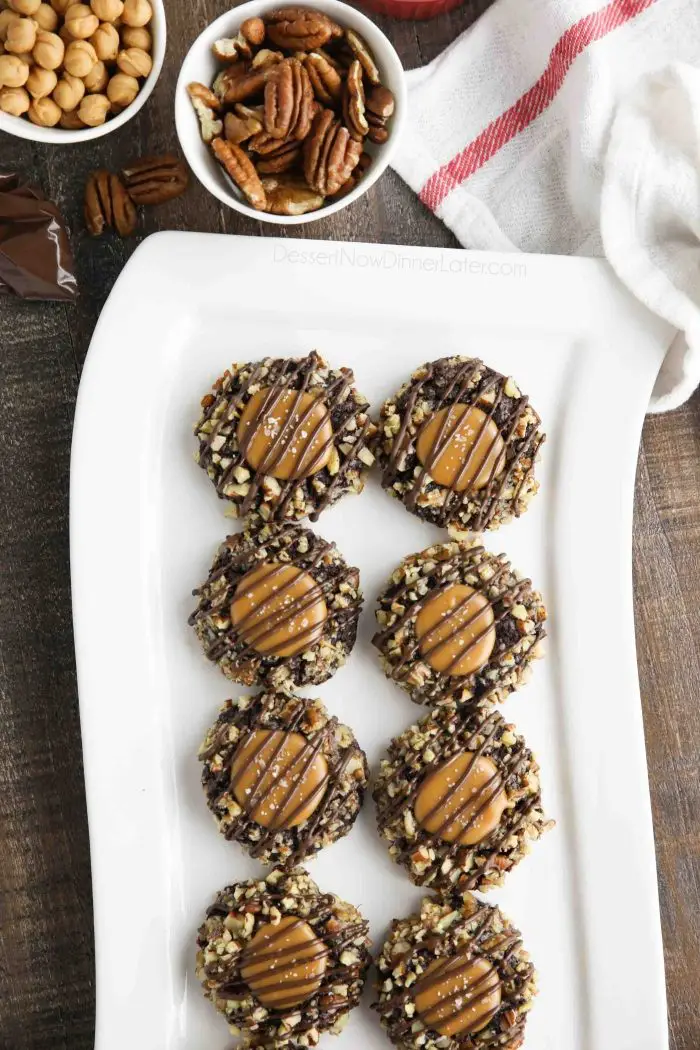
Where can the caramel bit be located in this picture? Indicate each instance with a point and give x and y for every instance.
(279, 778)
(284, 964)
(278, 610)
(461, 448)
(458, 995)
(455, 630)
(285, 433)
(462, 800)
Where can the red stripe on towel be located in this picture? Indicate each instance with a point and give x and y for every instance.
(529, 106)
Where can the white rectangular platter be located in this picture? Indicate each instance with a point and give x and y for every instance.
(145, 523)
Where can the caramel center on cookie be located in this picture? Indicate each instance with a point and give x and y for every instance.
(461, 448)
(458, 995)
(285, 433)
(278, 610)
(279, 778)
(462, 800)
(284, 964)
(455, 630)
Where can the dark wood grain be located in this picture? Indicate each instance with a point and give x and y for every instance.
(46, 948)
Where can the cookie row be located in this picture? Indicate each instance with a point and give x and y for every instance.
(458, 796)
(284, 438)
(280, 608)
(284, 963)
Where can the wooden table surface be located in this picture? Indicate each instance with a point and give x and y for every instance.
(46, 941)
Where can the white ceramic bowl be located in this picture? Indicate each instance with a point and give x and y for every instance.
(200, 65)
(24, 129)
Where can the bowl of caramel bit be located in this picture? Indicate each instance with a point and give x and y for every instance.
(76, 71)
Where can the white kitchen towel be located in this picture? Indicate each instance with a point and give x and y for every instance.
(572, 127)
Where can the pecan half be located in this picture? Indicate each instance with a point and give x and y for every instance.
(205, 104)
(379, 107)
(230, 49)
(239, 129)
(154, 180)
(363, 54)
(108, 204)
(288, 101)
(123, 208)
(354, 102)
(330, 155)
(98, 204)
(239, 167)
(283, 158)
(325, 78)
(290, 196)
(265, 57)
(362, 166)
(240, 81)
(300, 28)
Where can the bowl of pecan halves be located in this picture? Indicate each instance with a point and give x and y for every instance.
(288, 114)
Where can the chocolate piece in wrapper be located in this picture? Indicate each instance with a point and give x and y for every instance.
(35, 257)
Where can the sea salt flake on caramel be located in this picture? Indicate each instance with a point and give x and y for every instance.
(285, 433)
(455, 630)
(458, 995)
(284, 964)
(461, 448)
(278, 610)
(279, 778)
(462, 800)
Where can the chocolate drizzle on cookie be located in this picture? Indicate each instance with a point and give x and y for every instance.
(473, 986)
(278, 600)
(466, 638)
(469, 445)
(456, 815)
(284, 778)
(284, 964)
(286, 430)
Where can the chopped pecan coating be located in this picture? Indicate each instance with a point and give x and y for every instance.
(238, 166)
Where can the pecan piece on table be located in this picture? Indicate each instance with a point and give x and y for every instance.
(290, 195)
(363, 54)
(379, 107)
(107, 204)
(354, 102)
(330, 155)
(206, 104)
(325, 78)
(288, 101)
(155, 180)
(300, 28)
(239, 167)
